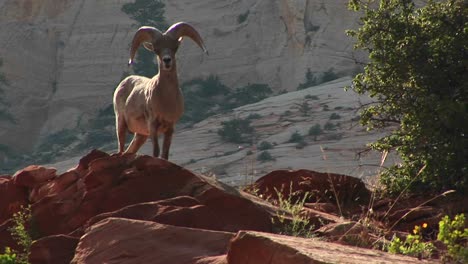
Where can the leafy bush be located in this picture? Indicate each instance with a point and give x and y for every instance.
(329, 126)
(203, 98)
(265, 145)
(146, 13)
(304, 108)
(296, 137)
(21, 234)
(206, 97)
(236, 131)
(253, 116)
(418, 80)
(315, 131)
(265, 156)
(310, 80)
(243, 17)
(58, 139)
(329, 75)
(301, 145)
(334, 116)
(412, 246)
(311, 97)
(8, 257)
(454, 234)
(299, 225)
(248, 94)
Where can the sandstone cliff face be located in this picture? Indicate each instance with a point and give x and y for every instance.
(63, 58)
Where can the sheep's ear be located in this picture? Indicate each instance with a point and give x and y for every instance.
(148, 46)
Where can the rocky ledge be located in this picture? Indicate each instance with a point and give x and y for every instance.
(140, 209)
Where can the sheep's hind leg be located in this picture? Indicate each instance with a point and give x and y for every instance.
(137, 142)
(167, 142)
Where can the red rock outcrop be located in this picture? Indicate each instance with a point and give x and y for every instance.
(109, 183)
(250, 247)
(140, 209)
(33, 175)
(53, 249)
(118, 240)
(322, 187)
(12, 197)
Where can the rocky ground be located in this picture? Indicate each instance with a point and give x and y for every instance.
(140, 209)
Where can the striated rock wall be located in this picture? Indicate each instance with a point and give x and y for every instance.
(63, 58)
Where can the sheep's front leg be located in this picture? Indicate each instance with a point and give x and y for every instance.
(121, 132)
(137, 142)
(167, 142)
(153, 131)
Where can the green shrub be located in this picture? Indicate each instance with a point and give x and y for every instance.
(413, 245)
(265, 156)
(253, 116)
(424, 99)
(23, 237)
(146, 13)
(296, 137)
(329, 126)
(301, 145)
(265, 145)
(205, 97)
(236, 131)
(286, 113)
(304, 108)
(299, 225)
(243, 17)
(334, 116)
(248, 94)
(311, 97)
(8, 257)
(58, 139)
(329, 75)
(454, 234)
(315, 131)
(310, 80)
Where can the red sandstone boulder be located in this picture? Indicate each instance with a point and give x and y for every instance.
(33, 175)
(249, 247)
(6, 240)
(322, 187)
(55, 186)
(110, 183)
(117, 240)
(12, 197)
(182, 211)
(58, 249)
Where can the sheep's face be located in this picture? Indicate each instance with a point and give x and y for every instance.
(166, 49)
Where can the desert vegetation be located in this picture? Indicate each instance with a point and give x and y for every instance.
(425, 104)
(208, 96)
(146, 13)
(313, 79)
(237, 130)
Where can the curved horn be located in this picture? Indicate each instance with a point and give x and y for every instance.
(182, 29)
(144, 34)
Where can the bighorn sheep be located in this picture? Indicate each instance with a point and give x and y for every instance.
(148, 107)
